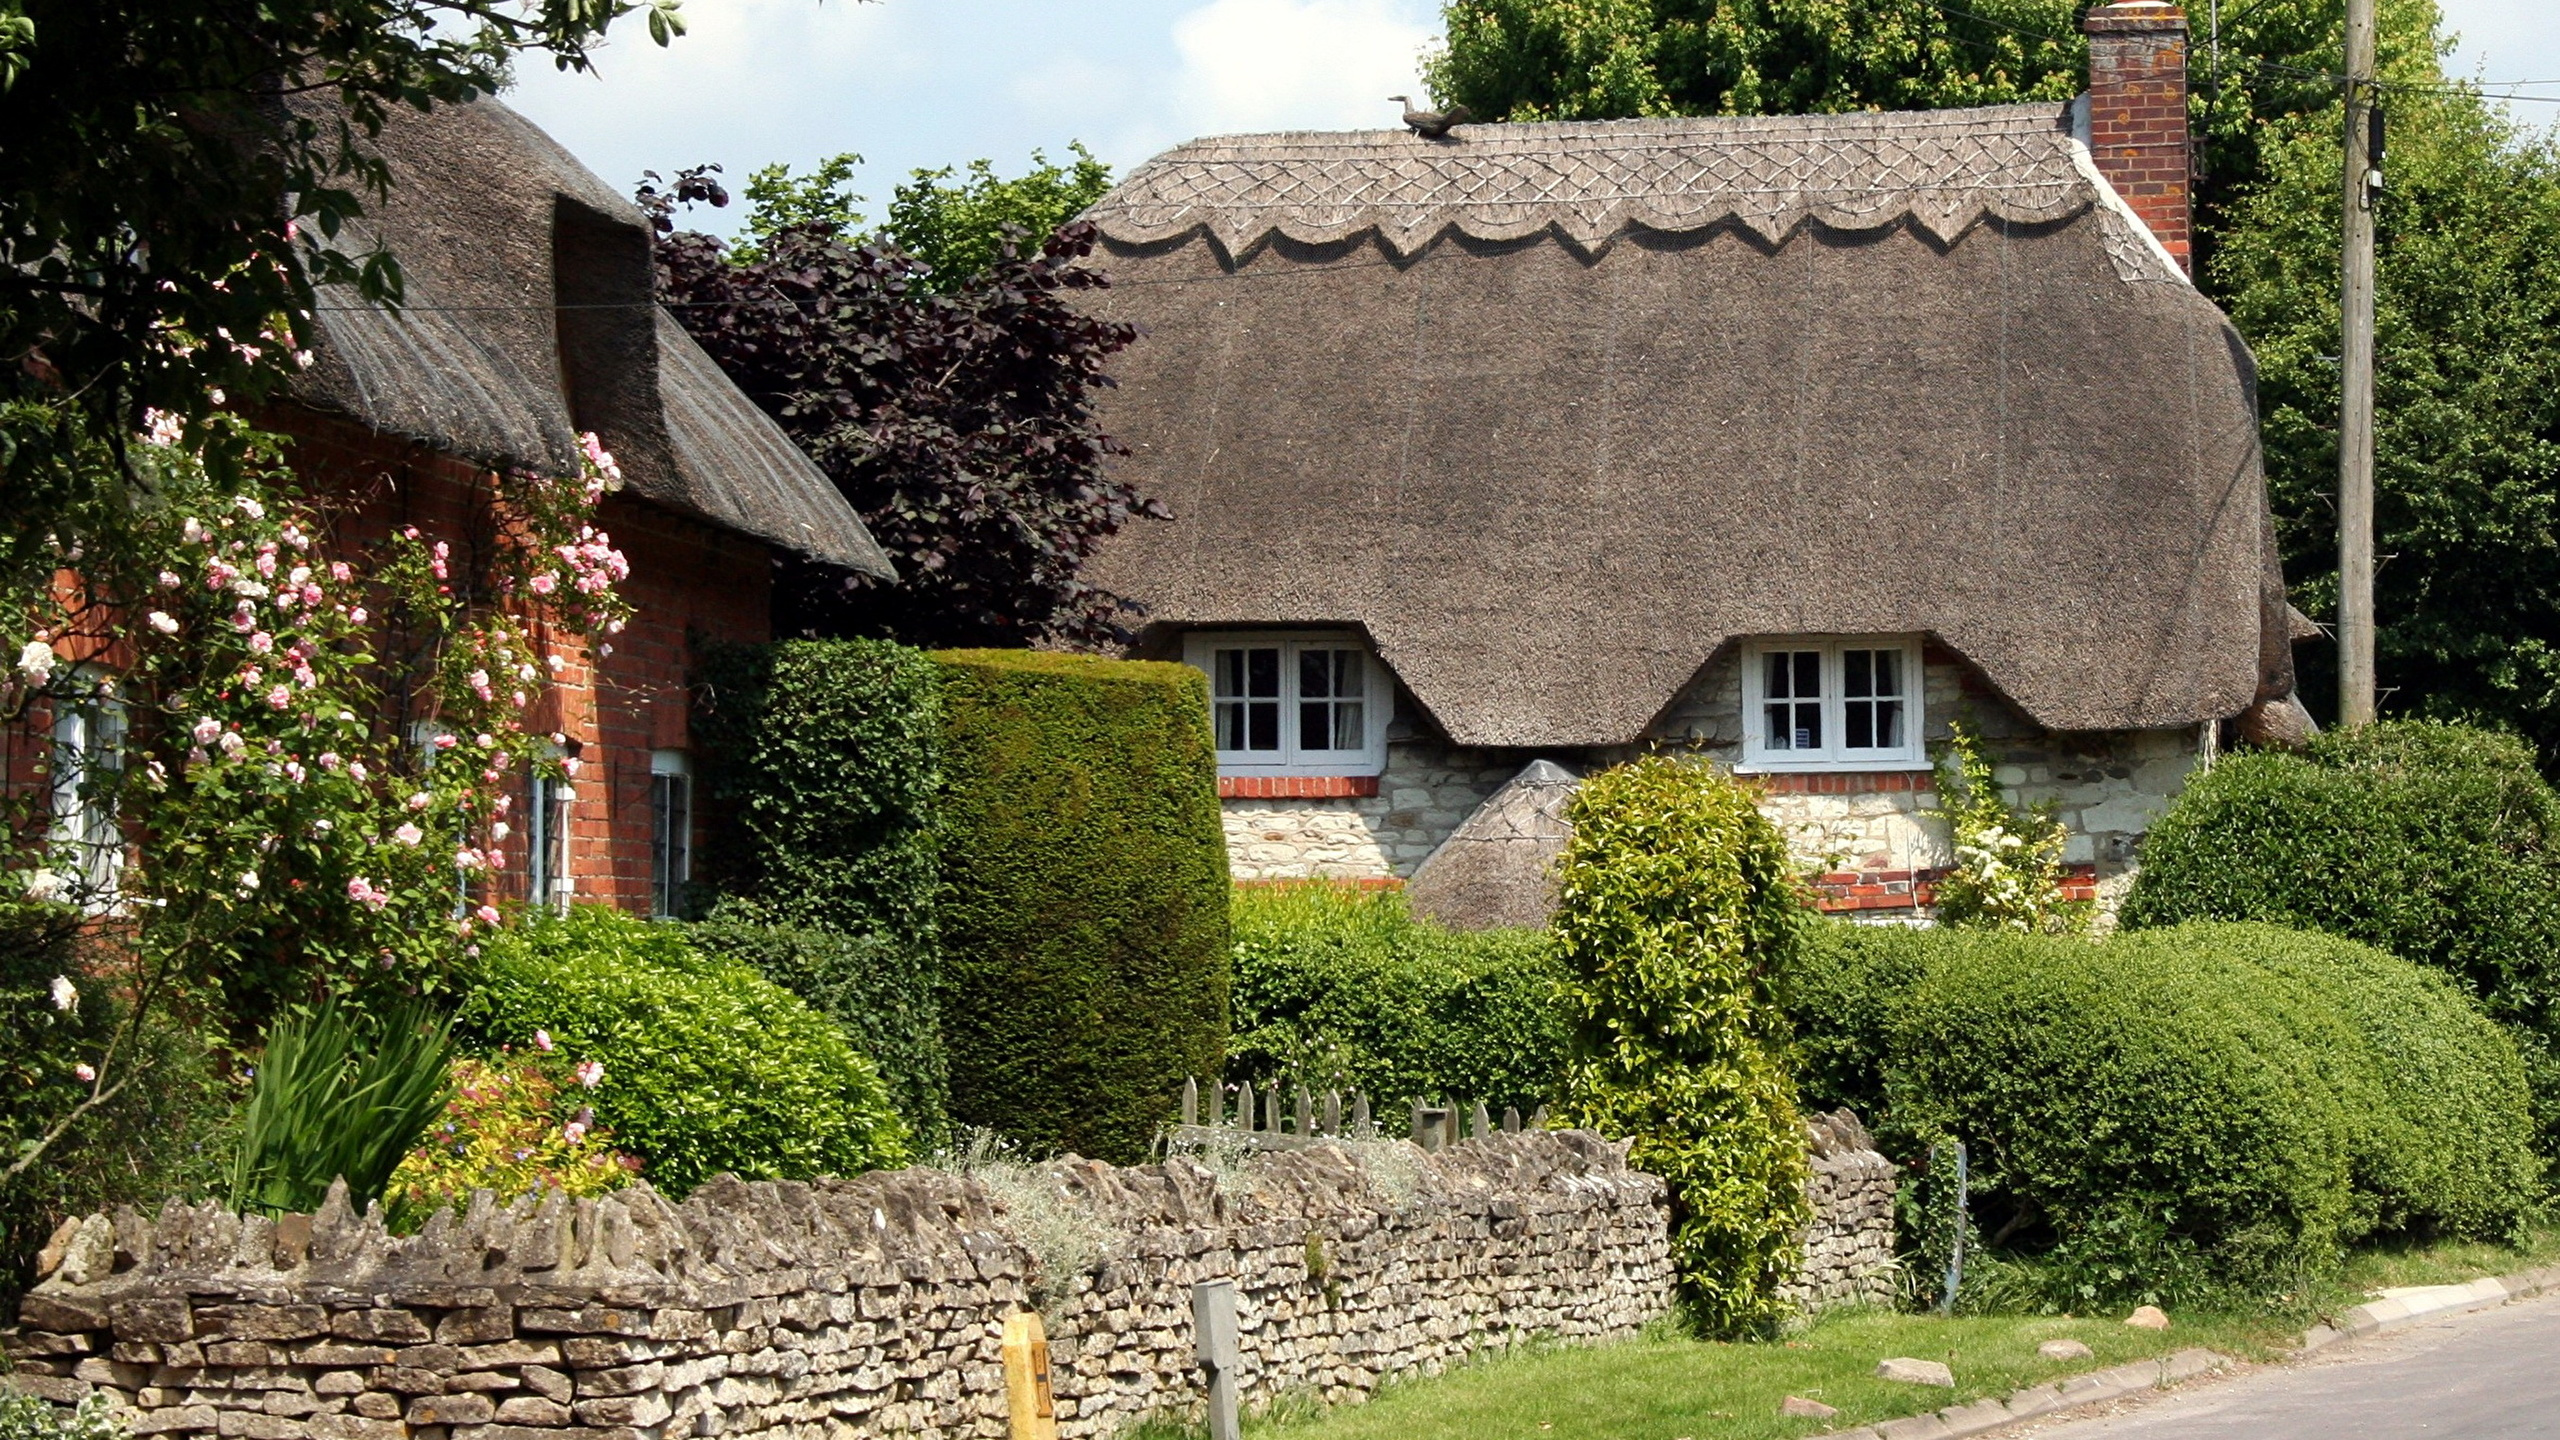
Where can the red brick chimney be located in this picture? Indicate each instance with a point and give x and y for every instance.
(2138, 112)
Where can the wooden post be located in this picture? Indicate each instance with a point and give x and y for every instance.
(2356, 686)
(1244, 1106)
(1510, 1119)
(1333, 1113)
(1213, 1317)
(1479, 1124)
(1033, 1414)
(1361, 1123)
(1306, 1113)
(1538, 1121)
(1190, 1101)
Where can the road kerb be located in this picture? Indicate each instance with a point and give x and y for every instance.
(2113, 1383)
(2374, 1317)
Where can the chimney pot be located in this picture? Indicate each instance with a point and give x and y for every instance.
(2138, 114)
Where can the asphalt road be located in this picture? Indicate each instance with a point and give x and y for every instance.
(2483, 1376)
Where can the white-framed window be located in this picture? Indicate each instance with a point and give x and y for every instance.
(88, 766)
(670, 831)
(547, 877)
(1304, 703)
(1832, 703)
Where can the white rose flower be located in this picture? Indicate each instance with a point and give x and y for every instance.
(66, 996)
(43, 886)
(36, 662)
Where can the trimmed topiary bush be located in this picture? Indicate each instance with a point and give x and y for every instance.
(1084, 906)
(822, 766)
(708, 1066)
(2169, 1113)
(2438, 843)
(1677, 915)
(1339, 988)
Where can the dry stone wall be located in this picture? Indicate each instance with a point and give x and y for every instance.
(1848, 1246)
(870, 1306)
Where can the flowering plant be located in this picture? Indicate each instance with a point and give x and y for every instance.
(2008, 870)
(305, 752)
(504, 1132)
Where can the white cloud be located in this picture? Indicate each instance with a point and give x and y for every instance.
(1296, 64)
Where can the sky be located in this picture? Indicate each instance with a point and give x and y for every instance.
(911, 84)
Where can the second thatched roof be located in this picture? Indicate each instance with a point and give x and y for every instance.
(1556, 412)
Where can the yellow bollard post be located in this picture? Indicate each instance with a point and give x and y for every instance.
(1026, 1379)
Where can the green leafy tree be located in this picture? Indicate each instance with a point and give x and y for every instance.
(958, 223)
(2467, 434)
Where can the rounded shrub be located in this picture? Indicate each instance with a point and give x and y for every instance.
(1677, 914)
(2174, 1111)
(1335, 987)
(2439, 843)
(708, 1066)
(1084, 900)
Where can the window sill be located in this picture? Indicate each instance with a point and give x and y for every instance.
(1297, 787)
(1832, 767)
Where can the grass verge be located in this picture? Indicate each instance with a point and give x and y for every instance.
(1666, 1386)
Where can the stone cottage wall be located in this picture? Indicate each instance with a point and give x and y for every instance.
(868, 1306)
(1428, 789)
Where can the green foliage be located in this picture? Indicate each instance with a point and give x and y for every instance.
(1084, 909)
(25, 1417)
(1677, 920)
(1576, 59)
(2438, 843)
(1337, 988)
(778, 200)
(707, 1066)
(2172, 1113)
(2008, 870)
(882, 996)
(957, 223)
(338, 1098)
(823, 758)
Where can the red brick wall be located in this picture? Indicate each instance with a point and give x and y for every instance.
(2138, 113)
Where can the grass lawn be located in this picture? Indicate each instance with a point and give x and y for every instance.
(1664, 1386)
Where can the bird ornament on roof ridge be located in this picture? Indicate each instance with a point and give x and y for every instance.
(1432, 124)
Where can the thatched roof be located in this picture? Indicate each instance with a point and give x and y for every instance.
(529, 316)
(1557, 411)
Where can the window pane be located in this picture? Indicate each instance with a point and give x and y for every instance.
(1347, 674)
(1808, 674)
(1226, 669)
(1888, 724)
(1262, 721)
(1777, 679)
(1808, 724)
(1860, 725)
(1782, 735)
(1230, 718)
(1350, 726)
(1857, 674)
(1262, 674)
(1315, 675)
(1888, 672)
(1315, 725)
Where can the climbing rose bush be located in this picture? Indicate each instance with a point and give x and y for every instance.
(310, 749)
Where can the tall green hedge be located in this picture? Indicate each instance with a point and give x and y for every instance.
(821, 772)
(1677, 918)
(2170, 1112)
(1335, 987)
(1084, 903)
(708, 1066)
(2438, 843)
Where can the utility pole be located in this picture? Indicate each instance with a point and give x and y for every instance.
(2355, 419)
